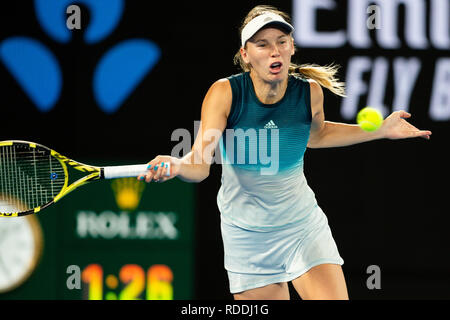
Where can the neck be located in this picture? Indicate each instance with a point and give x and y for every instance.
(268, 92)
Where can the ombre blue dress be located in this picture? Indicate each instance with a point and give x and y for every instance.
(272, 227)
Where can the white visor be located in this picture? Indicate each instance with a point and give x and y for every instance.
(260, 21)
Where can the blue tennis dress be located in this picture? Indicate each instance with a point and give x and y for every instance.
(272, 228)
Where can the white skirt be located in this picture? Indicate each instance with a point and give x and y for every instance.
(255, 259)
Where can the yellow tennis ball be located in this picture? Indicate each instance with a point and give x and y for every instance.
(127, 199)
(369, 119)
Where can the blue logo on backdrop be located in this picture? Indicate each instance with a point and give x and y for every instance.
(117, 74)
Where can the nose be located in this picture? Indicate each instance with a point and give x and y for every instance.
(275, 51)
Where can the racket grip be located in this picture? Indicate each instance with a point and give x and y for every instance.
(128, 171)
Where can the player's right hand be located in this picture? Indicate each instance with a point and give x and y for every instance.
(157, 169)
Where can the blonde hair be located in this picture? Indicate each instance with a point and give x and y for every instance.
(324, 75)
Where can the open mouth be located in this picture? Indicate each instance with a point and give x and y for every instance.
(275, 67)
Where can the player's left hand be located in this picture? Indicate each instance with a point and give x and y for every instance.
(396, 127)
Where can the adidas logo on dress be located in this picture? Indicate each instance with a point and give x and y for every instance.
(270, 125)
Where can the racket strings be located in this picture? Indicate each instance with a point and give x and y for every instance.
(28, 178)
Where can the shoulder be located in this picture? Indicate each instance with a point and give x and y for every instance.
(316, 98)
(221, 85)
(315, 89)
(220, 89)
(219, 95)
(316, 92)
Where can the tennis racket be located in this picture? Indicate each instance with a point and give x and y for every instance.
(32, 176)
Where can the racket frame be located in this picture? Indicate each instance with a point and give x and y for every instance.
(96, 174)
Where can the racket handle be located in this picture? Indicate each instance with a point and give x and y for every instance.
(128, 171)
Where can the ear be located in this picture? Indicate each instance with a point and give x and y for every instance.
(244, 55)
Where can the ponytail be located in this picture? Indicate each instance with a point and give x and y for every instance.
(323, 75)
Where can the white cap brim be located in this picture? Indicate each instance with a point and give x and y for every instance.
(259, 22)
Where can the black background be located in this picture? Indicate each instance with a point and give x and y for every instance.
(386, 201)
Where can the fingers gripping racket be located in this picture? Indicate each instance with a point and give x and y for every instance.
(32, 176)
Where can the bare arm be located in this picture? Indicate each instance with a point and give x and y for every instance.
(216, 105)
(195, 166)
(326, 134)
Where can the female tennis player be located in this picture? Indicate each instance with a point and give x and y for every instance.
(272, 228)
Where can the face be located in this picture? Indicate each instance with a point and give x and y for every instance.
(269, 52)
